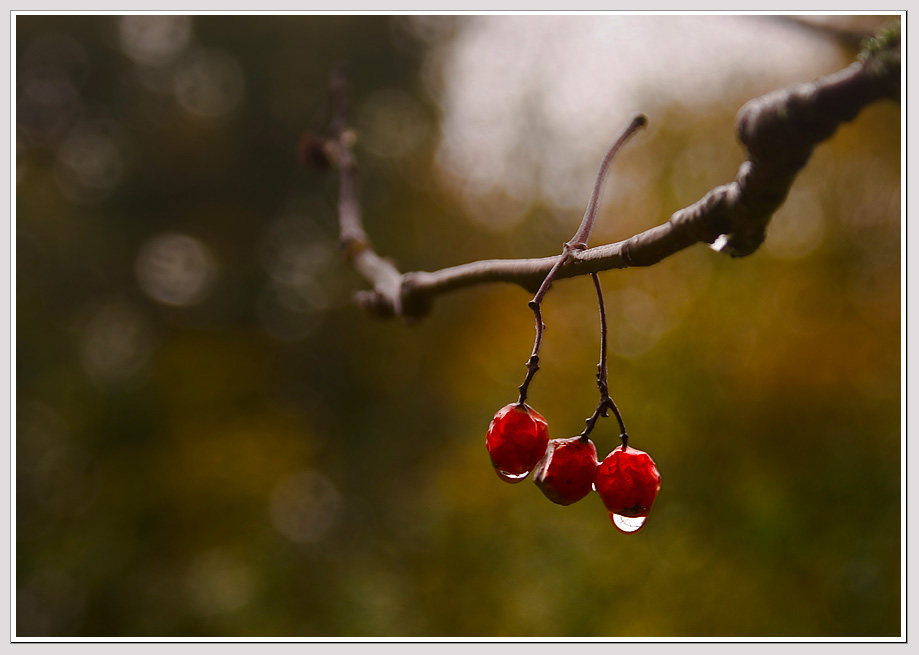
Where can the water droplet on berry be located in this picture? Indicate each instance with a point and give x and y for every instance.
(628, 524)
(510, 477)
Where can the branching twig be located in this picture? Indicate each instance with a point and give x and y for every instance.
(780, 131)
(577, 243)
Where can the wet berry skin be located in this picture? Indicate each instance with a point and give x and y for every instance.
(566, 473)
(628, 482)
(517, 439)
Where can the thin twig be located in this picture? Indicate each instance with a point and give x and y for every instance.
(582, 236)
(387, 282)
(577, 243)
(606, 401)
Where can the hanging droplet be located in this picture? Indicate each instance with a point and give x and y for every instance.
(627, 524)
(719, 244)
(510, 477)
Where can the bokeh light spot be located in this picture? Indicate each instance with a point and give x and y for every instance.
(89, 164)
(116, 347)
(154, 40)
(175, 269)
(209, 83)
(219, 582)
(299, 260)
(47, 104)
(305, 506)
(282, 319)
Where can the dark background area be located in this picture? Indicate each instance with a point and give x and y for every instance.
(212, 440)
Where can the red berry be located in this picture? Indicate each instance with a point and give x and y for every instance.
(628, 482)
(516, 441)
(566, 473)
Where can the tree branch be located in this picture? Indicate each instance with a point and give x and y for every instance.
(779, 130)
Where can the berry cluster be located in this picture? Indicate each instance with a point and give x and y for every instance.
(566, 470)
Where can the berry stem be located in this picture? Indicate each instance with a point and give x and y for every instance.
(606, 402)
(602, 377)
(536, 306)
(577, 243)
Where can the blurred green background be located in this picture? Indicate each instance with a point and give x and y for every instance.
(212, 440)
